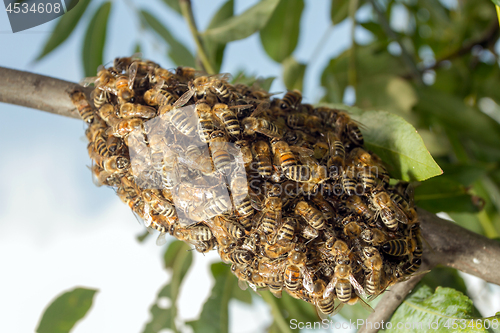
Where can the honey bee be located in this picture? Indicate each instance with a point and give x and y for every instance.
(124, 127)
(361, 158)
(335, 248)
(325, 305)
(241, 257)
(184, 120)
(373, 263)
(311, 214)
(399, 247)
(220, 154)
(389, 212)
(108, 114)
(270, 217)
(343, 282)
(374, 236)
(123, 89)
(213, 207)
(291, 100)
(194, 234)
(246, 151)
(203, 84)
(82, 105)
(356, 204)
(348, 182)
(159, 96)
(323, 205)
(262, 155)
(348, 127)
(262, 126)
(286, 231)
(158, 203)
(227, 118)
(187, 73)
(351, 227)
(205, 124)
(283, 156)
(309, 232)
(129, 110)
(116, 164)
(241, 199)
(99, 96)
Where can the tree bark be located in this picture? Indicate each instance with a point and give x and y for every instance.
(39, 92)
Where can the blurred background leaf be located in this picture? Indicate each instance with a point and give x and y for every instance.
(243, 25)
(95, 39)
(66, 310)
(215, 50)
(280, 35)
(64, 28)
(178, 259)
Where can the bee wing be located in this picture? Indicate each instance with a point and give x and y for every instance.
(161, 240)
(221, 76)
(132, 74)
(308, 279)
(262, 107)
(242, 284)
(255, 200)
(88, 81)
(330, 287)
(359, 288)
(184, 98)
(399, 214)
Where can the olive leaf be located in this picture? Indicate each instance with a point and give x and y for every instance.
(396, 142)
(178, 258)
(95, 39)
(64, 27)
(215, 50)
(281, 34)
(242, 26)
(66, 310)
(444, 310)
(293, 73)
(214, 316)
(339, 10)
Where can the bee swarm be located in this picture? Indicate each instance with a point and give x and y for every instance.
(283, 191)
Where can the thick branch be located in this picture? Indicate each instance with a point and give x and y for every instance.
(38, 92)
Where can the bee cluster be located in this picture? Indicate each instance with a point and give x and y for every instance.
(284, 191)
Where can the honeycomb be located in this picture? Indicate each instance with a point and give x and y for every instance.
(284, 191)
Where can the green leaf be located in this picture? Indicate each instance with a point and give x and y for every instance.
(293, 73)
(437, 310)
(141, 237)
(496, 2)
(281, 34)
(179, 54)
(64, 28)
(452, 112)
(214, 316)
(173, 4)
(95, 39)
(468, 221)
(242, 26)
(178, 258)
(442, 194)
(262, 83)
(215, 51)
(66, 310)
(396, 142)
(339, 10)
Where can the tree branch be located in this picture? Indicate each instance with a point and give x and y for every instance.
(39, 92)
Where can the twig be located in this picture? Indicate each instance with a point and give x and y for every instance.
(407, 58)
(38, 92)
(187, 12)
